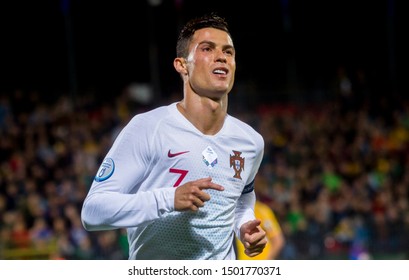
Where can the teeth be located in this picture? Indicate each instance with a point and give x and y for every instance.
(219, 72)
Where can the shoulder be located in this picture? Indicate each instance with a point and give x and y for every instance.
(244, 129)
(150, 119)
(155, 114)
(144, 126)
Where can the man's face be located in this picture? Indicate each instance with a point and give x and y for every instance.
(211, 63)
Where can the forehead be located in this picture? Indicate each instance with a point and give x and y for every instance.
(212, 35)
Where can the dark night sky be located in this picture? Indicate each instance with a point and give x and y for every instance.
(277, 42)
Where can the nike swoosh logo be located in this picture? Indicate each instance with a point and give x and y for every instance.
(171, 155)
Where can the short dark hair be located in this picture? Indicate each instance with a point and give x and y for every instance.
(209, 20)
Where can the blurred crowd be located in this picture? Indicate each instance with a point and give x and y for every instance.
(338, 181)
(336, 174)
(50, 150)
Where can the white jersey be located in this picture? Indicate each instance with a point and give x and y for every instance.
(155, 153)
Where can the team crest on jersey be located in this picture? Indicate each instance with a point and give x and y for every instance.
(105, 170)
(237, 162)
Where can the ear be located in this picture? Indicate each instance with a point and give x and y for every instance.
(180, 65)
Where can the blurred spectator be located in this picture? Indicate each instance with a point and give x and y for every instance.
(273, 230)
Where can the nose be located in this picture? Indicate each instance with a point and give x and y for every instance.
(221, 56)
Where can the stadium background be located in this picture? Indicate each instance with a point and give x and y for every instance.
(323, 81)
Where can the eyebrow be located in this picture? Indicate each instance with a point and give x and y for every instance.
(227, 46)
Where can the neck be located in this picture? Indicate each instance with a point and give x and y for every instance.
(205, 114)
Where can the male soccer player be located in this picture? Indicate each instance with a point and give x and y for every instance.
(180, 178)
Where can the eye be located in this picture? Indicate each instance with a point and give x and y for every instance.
(229, 52)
